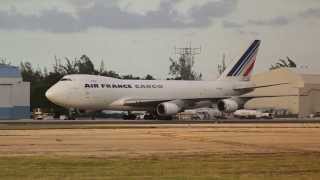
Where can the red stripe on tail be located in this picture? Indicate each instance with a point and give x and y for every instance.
(249, 69)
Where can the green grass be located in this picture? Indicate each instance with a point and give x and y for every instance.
(246, 167)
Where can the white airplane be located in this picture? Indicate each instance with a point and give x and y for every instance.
(158, 97)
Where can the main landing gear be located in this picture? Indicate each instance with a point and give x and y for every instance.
(154, 116)
(130, 116)
(73, 114)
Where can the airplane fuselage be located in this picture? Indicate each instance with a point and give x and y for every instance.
(100, 93)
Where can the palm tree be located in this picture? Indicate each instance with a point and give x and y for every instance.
(289, 63)
(222, 67)
(4, 61)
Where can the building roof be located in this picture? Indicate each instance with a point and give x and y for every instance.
(307, 76)
(297, 76)
(7, 71)
(304, 71)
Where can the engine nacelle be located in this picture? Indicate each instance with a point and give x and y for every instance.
(168, 109)
(228, 105)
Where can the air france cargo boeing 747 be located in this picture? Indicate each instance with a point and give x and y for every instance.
(160, 98)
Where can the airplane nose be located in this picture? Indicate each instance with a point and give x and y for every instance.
(57, 95)
(50, 94)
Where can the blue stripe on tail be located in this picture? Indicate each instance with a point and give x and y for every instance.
(245, 58)
(247, 61)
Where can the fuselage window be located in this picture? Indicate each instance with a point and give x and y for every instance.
(65, 79)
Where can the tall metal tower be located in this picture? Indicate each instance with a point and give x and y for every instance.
(188, 53)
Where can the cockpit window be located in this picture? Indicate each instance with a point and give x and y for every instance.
(65, 79)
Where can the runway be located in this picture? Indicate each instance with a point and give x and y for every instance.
(129, 122)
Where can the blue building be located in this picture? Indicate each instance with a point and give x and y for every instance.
(14, 94)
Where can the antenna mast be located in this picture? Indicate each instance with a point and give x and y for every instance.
(188, 53)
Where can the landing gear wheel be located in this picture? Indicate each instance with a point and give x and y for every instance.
(72, 114)
(130, 116)
(149, 117)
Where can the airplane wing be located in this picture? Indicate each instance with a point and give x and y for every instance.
(189, 102)
(267, 96)
(155, 102)
(249, 97)
(144, 102)
(257, 87)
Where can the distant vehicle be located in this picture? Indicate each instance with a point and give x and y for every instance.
(205, 113)
(37, 114)
(251, 114)
(159, 98)
(63, 117)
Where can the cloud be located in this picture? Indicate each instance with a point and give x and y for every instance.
(311, 12)
(202, 15)
(273, 22)
(109, 15)
(231, 25)
(50, 20)
(276, 21)
(246, 27)
(252, 33)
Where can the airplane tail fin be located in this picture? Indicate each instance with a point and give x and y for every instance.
(243, 67)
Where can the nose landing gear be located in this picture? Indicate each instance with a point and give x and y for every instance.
(72, 114)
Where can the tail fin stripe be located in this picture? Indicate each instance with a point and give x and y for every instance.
(248, 61)
(242, 68)
(249, 69)
(247, 57)
(244, 58)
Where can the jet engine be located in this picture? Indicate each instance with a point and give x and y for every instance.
(229, 105)
(168, 109)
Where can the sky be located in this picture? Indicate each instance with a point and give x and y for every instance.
(138, 36)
